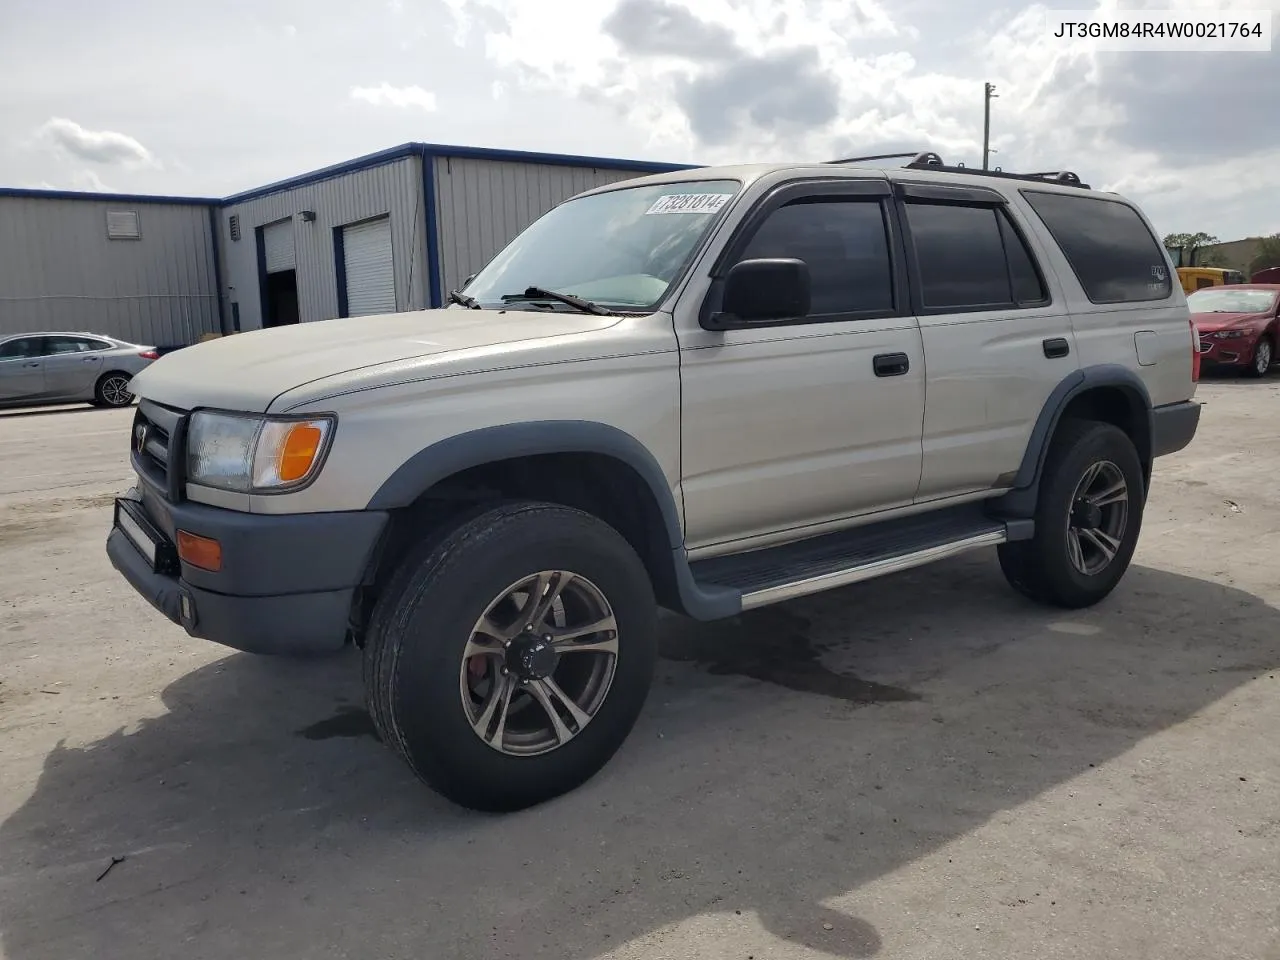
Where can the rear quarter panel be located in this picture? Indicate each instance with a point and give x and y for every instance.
(1152, 338)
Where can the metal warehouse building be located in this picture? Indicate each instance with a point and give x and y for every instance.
(391, 231)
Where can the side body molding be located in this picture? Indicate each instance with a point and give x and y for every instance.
(508, 441)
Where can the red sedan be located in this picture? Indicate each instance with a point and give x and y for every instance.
(1238, 325)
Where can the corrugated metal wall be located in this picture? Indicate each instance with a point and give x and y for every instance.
(482, 204)
(59, 270)
(393, 188)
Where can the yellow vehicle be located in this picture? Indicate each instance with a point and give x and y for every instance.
(1197, 278)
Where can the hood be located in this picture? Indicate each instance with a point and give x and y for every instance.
(1211, 322)
(247, 371)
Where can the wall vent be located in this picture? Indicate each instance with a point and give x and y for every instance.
(123, 225)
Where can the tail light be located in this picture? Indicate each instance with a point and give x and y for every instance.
(149, 355)
(1195, 352)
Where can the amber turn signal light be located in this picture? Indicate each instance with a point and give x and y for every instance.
(200, 552)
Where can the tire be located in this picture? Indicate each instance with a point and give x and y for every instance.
(1263, 357)
(110, 390)
(429, 676)
(1045, 568)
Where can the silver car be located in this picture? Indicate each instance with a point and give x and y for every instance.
(40, 368)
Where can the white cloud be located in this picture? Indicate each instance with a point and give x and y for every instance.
(386, 95)
(88, 180)
(740, 80)
(98, 146)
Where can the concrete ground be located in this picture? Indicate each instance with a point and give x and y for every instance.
(921, 767)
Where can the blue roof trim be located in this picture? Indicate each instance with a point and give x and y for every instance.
(558, 159)
(327, 173)
(404, 150)
(366, 162)
(31, 192)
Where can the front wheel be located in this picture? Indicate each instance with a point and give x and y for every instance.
(1263, 355)
(1088, 517)
(509, 659)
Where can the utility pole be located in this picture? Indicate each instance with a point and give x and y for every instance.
(988, 91)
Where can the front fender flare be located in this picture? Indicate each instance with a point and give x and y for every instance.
(475, 448)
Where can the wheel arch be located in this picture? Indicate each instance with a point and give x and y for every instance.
(584, 464)
(1110, 393)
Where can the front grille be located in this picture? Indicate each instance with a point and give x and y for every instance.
(1206, 345)
(157, 448)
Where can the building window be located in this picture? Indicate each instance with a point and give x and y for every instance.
(123, 225)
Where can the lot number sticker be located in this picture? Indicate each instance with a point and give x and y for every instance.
(689, 203)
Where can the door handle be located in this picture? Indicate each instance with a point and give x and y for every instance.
(891, 364)
(31, 364)
(1056, 347)
(88, 359)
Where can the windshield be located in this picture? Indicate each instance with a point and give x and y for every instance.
(1219, 300)
(620, 249)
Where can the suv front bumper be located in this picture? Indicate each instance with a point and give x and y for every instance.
(285, 584)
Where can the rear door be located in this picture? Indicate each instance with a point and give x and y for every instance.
(72, 366)
(997, 334)
(21, 370)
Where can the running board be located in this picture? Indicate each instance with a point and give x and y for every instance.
(764, 577)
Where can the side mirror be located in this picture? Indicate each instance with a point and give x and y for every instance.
(758, 291)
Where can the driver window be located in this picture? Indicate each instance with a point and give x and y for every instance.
(845, 244)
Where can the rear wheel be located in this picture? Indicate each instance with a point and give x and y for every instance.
(112, 390)
(509, 658)
(1088, 517)
(1263, 355)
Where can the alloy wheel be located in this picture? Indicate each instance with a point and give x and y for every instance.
(539, 663)
(115, 391)
(1098, 518)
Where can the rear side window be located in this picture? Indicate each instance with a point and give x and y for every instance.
(971, 258)
(1110, 249)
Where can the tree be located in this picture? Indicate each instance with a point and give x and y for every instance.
(1191, 244)
(1268, 254)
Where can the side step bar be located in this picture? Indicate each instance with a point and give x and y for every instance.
(764, 577)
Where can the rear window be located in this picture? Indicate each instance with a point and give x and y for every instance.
(1110, 249)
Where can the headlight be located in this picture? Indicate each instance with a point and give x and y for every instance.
(256, 454)
(1233, 334)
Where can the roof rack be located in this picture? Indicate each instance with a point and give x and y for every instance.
(927, 160)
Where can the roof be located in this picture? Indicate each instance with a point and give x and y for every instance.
(748, 173)
(449, 150)
(36, 193)
(360, 163)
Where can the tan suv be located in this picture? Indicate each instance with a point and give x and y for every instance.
(709, 391)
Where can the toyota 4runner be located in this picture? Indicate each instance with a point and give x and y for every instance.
(706, 391)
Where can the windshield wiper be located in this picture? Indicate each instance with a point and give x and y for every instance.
(538, 293)
(469, 302)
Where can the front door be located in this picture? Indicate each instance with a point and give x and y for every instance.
(21, 370)
(815, 418)
(996, 339)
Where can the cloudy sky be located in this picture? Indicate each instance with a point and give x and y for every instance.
(209, 98)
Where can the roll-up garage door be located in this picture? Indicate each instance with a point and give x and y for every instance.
(277, 242)
(371, 282)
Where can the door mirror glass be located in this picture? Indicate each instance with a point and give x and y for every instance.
(757, 291)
